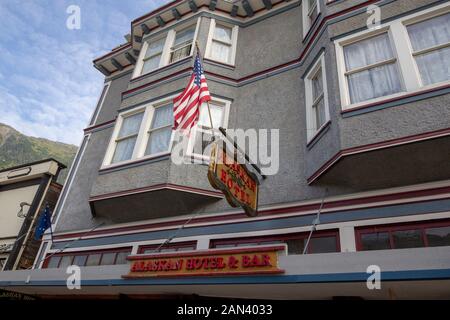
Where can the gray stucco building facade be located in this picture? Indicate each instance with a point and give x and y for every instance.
(360, 93)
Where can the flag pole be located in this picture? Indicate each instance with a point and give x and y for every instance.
(207, 102)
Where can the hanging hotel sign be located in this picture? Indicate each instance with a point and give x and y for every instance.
(238, 184)
(218, 262)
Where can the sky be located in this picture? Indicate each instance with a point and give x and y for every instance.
(48, 86)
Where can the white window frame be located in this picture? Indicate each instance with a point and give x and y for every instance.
(168, 44)
(307, 24)
(319, 66)
(403, 52)
(143, 135)
(226, 104)
(234, 36)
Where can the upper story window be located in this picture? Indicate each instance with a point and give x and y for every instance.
(310, 12)
(371, 69)
(127, 137)
(163, 50)
(160, 130)
(430, 41)
(317, 113)
(221, 44)
(202, 134)
(146, 132)
(402, 56)
(182, 45)
(153, 54)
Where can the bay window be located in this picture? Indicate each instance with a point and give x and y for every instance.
(160, 51)
(146, 131)
(221, 46)
(399, 57)
(317, 113)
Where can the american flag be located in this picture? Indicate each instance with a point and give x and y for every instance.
(186, 107)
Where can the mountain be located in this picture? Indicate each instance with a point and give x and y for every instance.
(17, 148)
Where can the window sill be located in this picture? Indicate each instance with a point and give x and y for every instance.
(395, 99)
(132, 162)
(160, 69)
(319, 134)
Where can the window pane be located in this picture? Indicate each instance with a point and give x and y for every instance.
(159, 141)
(93, 259)
(322, 245)
(184, 36)
(163, 116)
(151, 64)
(124, 150)
(296, 246)
(368, 51)
(222, 33)
(54, 261)
(220, 51)
(375, 241)
(319, 113)
(80, 260)
(430, 33)
(317, 85)
(108, 259)
(131, 125)
(374, 83)
(434, 67)
(408, 239)
(438, 236)
(122, 257)
(216, 115)
(179, 54)
(155, 47)
(65, 261)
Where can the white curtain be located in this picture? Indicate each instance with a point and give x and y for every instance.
(433, 66)
(163, 116)
(220, 51)
(159, 139)
(375, 82)
(125, 147)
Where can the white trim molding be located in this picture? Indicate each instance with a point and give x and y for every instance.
(312, 125)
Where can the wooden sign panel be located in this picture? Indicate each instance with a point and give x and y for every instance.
(218, 262)
(238, 184)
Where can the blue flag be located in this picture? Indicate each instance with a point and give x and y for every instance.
(43, 224)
